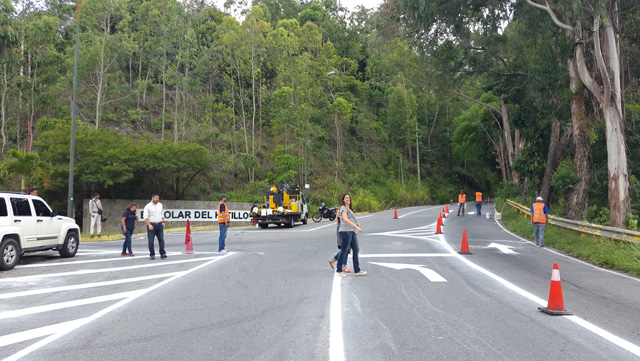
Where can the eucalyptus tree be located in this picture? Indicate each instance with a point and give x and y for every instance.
(103, 46)
(465, 38)
(594, 26)
(40, 42)
(8, 47)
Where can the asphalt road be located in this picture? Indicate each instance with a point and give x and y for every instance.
(274, 297)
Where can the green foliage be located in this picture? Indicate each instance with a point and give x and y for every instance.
(564, 178)
(598, 215)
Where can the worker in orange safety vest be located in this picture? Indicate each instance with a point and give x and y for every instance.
(223, 223)
(462, 201)
(539, 217)
(479, 201)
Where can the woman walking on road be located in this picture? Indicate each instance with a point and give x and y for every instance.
(348, 231)
(129, 218)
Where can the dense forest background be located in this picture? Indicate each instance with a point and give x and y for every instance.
(402, 105)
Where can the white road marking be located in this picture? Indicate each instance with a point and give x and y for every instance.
(431, 275)
(336, 341)
(67, 304)
(635, 349)
(81, 322)
(18, 337)
(156, 263)
(502, 248)
(98, 253)
(85, 285)
(402, 255)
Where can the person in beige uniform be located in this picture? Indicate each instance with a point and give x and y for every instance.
(95, 212)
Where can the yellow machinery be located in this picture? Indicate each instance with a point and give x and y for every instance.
(283, 205)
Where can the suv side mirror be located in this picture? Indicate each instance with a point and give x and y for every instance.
(54, 213)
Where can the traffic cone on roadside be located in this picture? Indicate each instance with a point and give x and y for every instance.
(444, 214)
(447, 208)
(442, 220)
(438, 228)
(464, 249)
(395, 213)
(439, 221)
(555, 305)
(188, 240)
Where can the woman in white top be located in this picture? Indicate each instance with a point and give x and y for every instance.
(348, 231)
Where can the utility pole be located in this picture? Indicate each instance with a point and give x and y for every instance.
(73, 120)
(418, 155)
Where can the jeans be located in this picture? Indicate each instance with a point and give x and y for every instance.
(538, 233)
(223, 236)
(158, 231)
(126, 246)
(461, 206)
(337, 256)
(349, 239)
(479, 208)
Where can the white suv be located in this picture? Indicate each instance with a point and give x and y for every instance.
(27, 224)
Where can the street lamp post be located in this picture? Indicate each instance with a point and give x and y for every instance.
(306, 124)
(73, 120)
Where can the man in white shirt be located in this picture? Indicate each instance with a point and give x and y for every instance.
(95, 212)
(153, 217)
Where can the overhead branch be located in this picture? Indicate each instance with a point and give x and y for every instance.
(606, 81)
(476, 101)
(548, 9)
(510, 74)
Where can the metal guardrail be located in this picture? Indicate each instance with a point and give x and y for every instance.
(584, 227)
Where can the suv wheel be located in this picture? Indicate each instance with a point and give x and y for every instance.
(10, 253)
(306, 217)
(70, 245)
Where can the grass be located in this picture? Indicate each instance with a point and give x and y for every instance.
(604, 252)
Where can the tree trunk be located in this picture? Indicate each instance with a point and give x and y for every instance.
(578, 198)
(506, 129)
(164, 102)
(557, 145)
(3, 108)
(609, 97)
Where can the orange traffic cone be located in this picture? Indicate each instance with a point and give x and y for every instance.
(555, 305)
(464, 249)
(188, 240)
(452, 202)
(444, 214)
(438, 228)
(395, 213)
(439, 221)
(447, 208)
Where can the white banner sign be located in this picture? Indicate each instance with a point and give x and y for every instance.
(210, 215)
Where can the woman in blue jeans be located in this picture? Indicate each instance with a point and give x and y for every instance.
(129, 218)
(348, 231)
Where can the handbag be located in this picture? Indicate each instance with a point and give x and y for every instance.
(103, 219)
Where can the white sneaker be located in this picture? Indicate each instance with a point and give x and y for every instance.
(361, 273)
(223, 251)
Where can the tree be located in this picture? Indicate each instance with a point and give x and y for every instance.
(603, 34)
(8, 44)
(26, 166)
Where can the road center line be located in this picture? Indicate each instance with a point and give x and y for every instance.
(336, 341)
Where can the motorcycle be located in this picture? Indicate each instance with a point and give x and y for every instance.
(324, 212)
